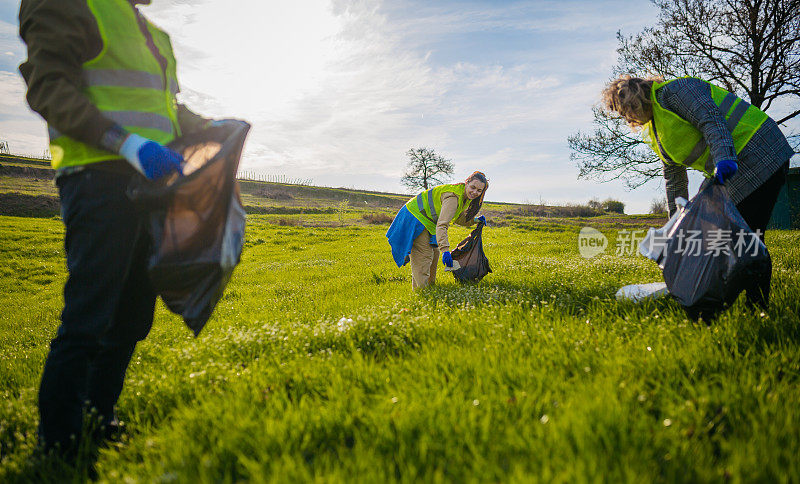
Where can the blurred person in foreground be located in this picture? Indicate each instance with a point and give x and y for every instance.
(691, 123)
(419, 230)
(104, 79)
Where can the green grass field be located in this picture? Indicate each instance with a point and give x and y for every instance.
(320, 364)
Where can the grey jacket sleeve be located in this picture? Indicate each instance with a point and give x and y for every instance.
(691, 99)
(676, 181)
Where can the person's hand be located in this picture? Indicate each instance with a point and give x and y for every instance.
(447, 259)
(151, 159)
(481, 219)
(725, 170)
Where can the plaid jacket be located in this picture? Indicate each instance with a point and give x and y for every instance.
(764, 154)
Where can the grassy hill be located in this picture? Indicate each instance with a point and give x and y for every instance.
(27, 190)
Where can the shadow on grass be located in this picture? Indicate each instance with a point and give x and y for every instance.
(569, 300)
(765, 331)
(37, 467)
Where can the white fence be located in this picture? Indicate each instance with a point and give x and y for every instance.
(263, 177)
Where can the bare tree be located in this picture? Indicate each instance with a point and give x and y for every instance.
(613, 151)
(425, 169)
(4, 147)
(750, 47)
(658, 206)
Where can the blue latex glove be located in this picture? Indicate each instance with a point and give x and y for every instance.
(447, 259)
(725, 170)
(150, 158)
(481, 219)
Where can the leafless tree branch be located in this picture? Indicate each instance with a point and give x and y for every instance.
(426, 169)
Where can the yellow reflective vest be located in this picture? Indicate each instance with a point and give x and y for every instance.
(675, 140)
(427, 205)
(125, 82)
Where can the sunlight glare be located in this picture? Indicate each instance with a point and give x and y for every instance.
(259, 57)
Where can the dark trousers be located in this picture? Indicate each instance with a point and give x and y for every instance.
(108, 304)
(756, 210)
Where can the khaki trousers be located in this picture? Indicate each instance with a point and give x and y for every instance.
(424, 259)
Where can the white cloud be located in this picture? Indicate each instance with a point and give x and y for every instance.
(322, 90)
(12, 92)
(10, 43)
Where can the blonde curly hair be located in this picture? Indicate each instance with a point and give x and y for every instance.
(630, 97)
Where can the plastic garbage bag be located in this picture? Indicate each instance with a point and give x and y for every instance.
(653, 244)
(469, 256)
(711, 255)
(196, 222)
(641, 292)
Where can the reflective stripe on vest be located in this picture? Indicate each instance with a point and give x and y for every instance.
(141, 119)
(432, 206)
(127, 78)
(433, 217)
(421, 206)
(129, 118)
(677, 135)
(427, 213)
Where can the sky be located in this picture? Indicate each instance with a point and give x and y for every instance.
(337, 91)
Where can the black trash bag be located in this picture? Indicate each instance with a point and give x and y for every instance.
(196, 222)
(707, 275)
(469, 255)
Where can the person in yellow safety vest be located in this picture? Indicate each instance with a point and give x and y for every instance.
(419, 230)
(691, 123)
(104, 79)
